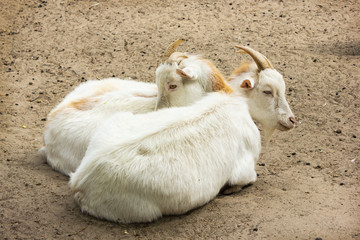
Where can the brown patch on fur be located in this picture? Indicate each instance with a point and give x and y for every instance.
(144, 96)
(103, 89)
(244, 67)
(83, 104)
(219, 83)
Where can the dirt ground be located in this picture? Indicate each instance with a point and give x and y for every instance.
(308, 185)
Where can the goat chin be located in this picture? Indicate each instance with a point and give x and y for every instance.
(283, 127)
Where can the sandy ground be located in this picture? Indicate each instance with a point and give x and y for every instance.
(307, 188)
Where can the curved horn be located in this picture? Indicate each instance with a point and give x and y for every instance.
(171, 49)
(261, 61)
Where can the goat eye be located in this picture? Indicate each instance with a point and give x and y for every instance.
(172, 86)
(267, 92)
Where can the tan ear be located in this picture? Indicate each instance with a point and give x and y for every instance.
(186, 72)
(246, 84)
(181, 73)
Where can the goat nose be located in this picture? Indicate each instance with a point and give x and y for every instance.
(292, 119)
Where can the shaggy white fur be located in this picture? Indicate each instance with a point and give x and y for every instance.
(140, 167)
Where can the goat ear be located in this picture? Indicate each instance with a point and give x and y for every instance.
(186, 72)
(246, 84)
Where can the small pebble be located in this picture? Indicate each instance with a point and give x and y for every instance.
(338, 131)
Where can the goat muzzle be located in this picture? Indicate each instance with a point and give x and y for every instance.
(287, 125)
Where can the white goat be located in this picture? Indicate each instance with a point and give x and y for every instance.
(140, 167)
(265, 88)
(72, 123)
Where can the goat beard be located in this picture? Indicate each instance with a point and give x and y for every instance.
(268, 131)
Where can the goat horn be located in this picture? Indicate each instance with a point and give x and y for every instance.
(171, 49)
(261, 61)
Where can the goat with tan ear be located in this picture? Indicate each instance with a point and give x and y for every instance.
(183, 78)
(264, 87)
(176, 159)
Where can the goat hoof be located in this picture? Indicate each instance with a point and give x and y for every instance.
(232, 189)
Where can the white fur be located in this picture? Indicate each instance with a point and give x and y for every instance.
(140, 167)
(69, 129)
(174, 160)
(68, 132)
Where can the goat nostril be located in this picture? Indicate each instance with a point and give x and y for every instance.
(292, 120)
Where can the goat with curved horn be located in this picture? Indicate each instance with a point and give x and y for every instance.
(261, 61)
(171, 49)
(181, 80)
(265, 89)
